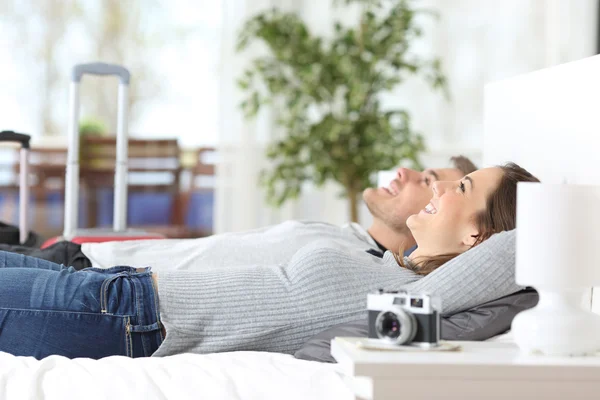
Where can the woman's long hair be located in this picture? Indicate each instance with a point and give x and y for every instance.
(500, 214)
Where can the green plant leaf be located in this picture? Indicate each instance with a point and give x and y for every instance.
(328, 95)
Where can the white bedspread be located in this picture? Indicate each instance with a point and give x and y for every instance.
(236, 375)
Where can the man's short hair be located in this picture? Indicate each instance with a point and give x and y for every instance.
(463, 164)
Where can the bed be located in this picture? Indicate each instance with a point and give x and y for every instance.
(236, 375)
(521, 114)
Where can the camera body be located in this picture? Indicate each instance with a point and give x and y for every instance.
(402, 318)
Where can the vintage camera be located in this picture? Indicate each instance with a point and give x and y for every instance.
(403, 318)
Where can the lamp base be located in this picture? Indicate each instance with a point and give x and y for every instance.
(558, 326)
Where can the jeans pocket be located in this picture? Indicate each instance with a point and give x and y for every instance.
(41, 333)
(104, 290)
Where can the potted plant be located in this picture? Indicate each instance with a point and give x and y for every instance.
(92, 127)
(89, 127)
(326, 94)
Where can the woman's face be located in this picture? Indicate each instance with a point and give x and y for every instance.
(448, 223)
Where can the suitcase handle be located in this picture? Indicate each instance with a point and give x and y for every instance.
(11, 136)
(99, 68)
(72, 169)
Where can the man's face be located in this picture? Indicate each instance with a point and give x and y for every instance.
(406, 195)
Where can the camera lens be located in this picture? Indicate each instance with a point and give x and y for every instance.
(395, 325)
(390, 326)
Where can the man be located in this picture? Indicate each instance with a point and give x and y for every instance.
(407, 194)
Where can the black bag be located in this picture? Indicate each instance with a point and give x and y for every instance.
(9, 234)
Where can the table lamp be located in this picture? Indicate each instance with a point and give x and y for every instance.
(558, 243)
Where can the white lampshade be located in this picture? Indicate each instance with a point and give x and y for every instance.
(558, 235)
(558, 238)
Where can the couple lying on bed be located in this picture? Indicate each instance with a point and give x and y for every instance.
(282, 284)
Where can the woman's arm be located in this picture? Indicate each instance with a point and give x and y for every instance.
(480, 275)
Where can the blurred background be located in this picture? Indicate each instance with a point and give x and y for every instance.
(242, 113)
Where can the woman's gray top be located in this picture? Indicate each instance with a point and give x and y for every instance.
(278, 307)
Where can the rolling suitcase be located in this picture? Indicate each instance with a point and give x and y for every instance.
(10, 234)
(119, 230)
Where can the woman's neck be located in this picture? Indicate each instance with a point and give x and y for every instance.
(420, 253)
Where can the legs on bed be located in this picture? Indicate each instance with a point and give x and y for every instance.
(47, 309)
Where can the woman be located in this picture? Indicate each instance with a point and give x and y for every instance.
(48, 309)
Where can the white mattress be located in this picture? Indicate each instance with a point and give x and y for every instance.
(236, 375)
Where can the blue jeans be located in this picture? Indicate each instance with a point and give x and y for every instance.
(46, 309)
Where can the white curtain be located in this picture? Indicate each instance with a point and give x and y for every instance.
(478, 41)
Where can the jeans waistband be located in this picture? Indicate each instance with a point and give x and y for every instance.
(145, 326)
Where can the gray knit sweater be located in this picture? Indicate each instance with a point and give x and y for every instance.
(277, 307)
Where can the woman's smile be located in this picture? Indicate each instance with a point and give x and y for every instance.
(430, 209)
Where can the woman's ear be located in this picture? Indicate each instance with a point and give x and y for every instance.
(470, 238)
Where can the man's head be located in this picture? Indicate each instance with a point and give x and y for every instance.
(406, 195)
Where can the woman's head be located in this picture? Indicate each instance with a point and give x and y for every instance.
(466, 212)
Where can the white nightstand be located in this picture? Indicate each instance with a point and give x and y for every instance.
(481, 370)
